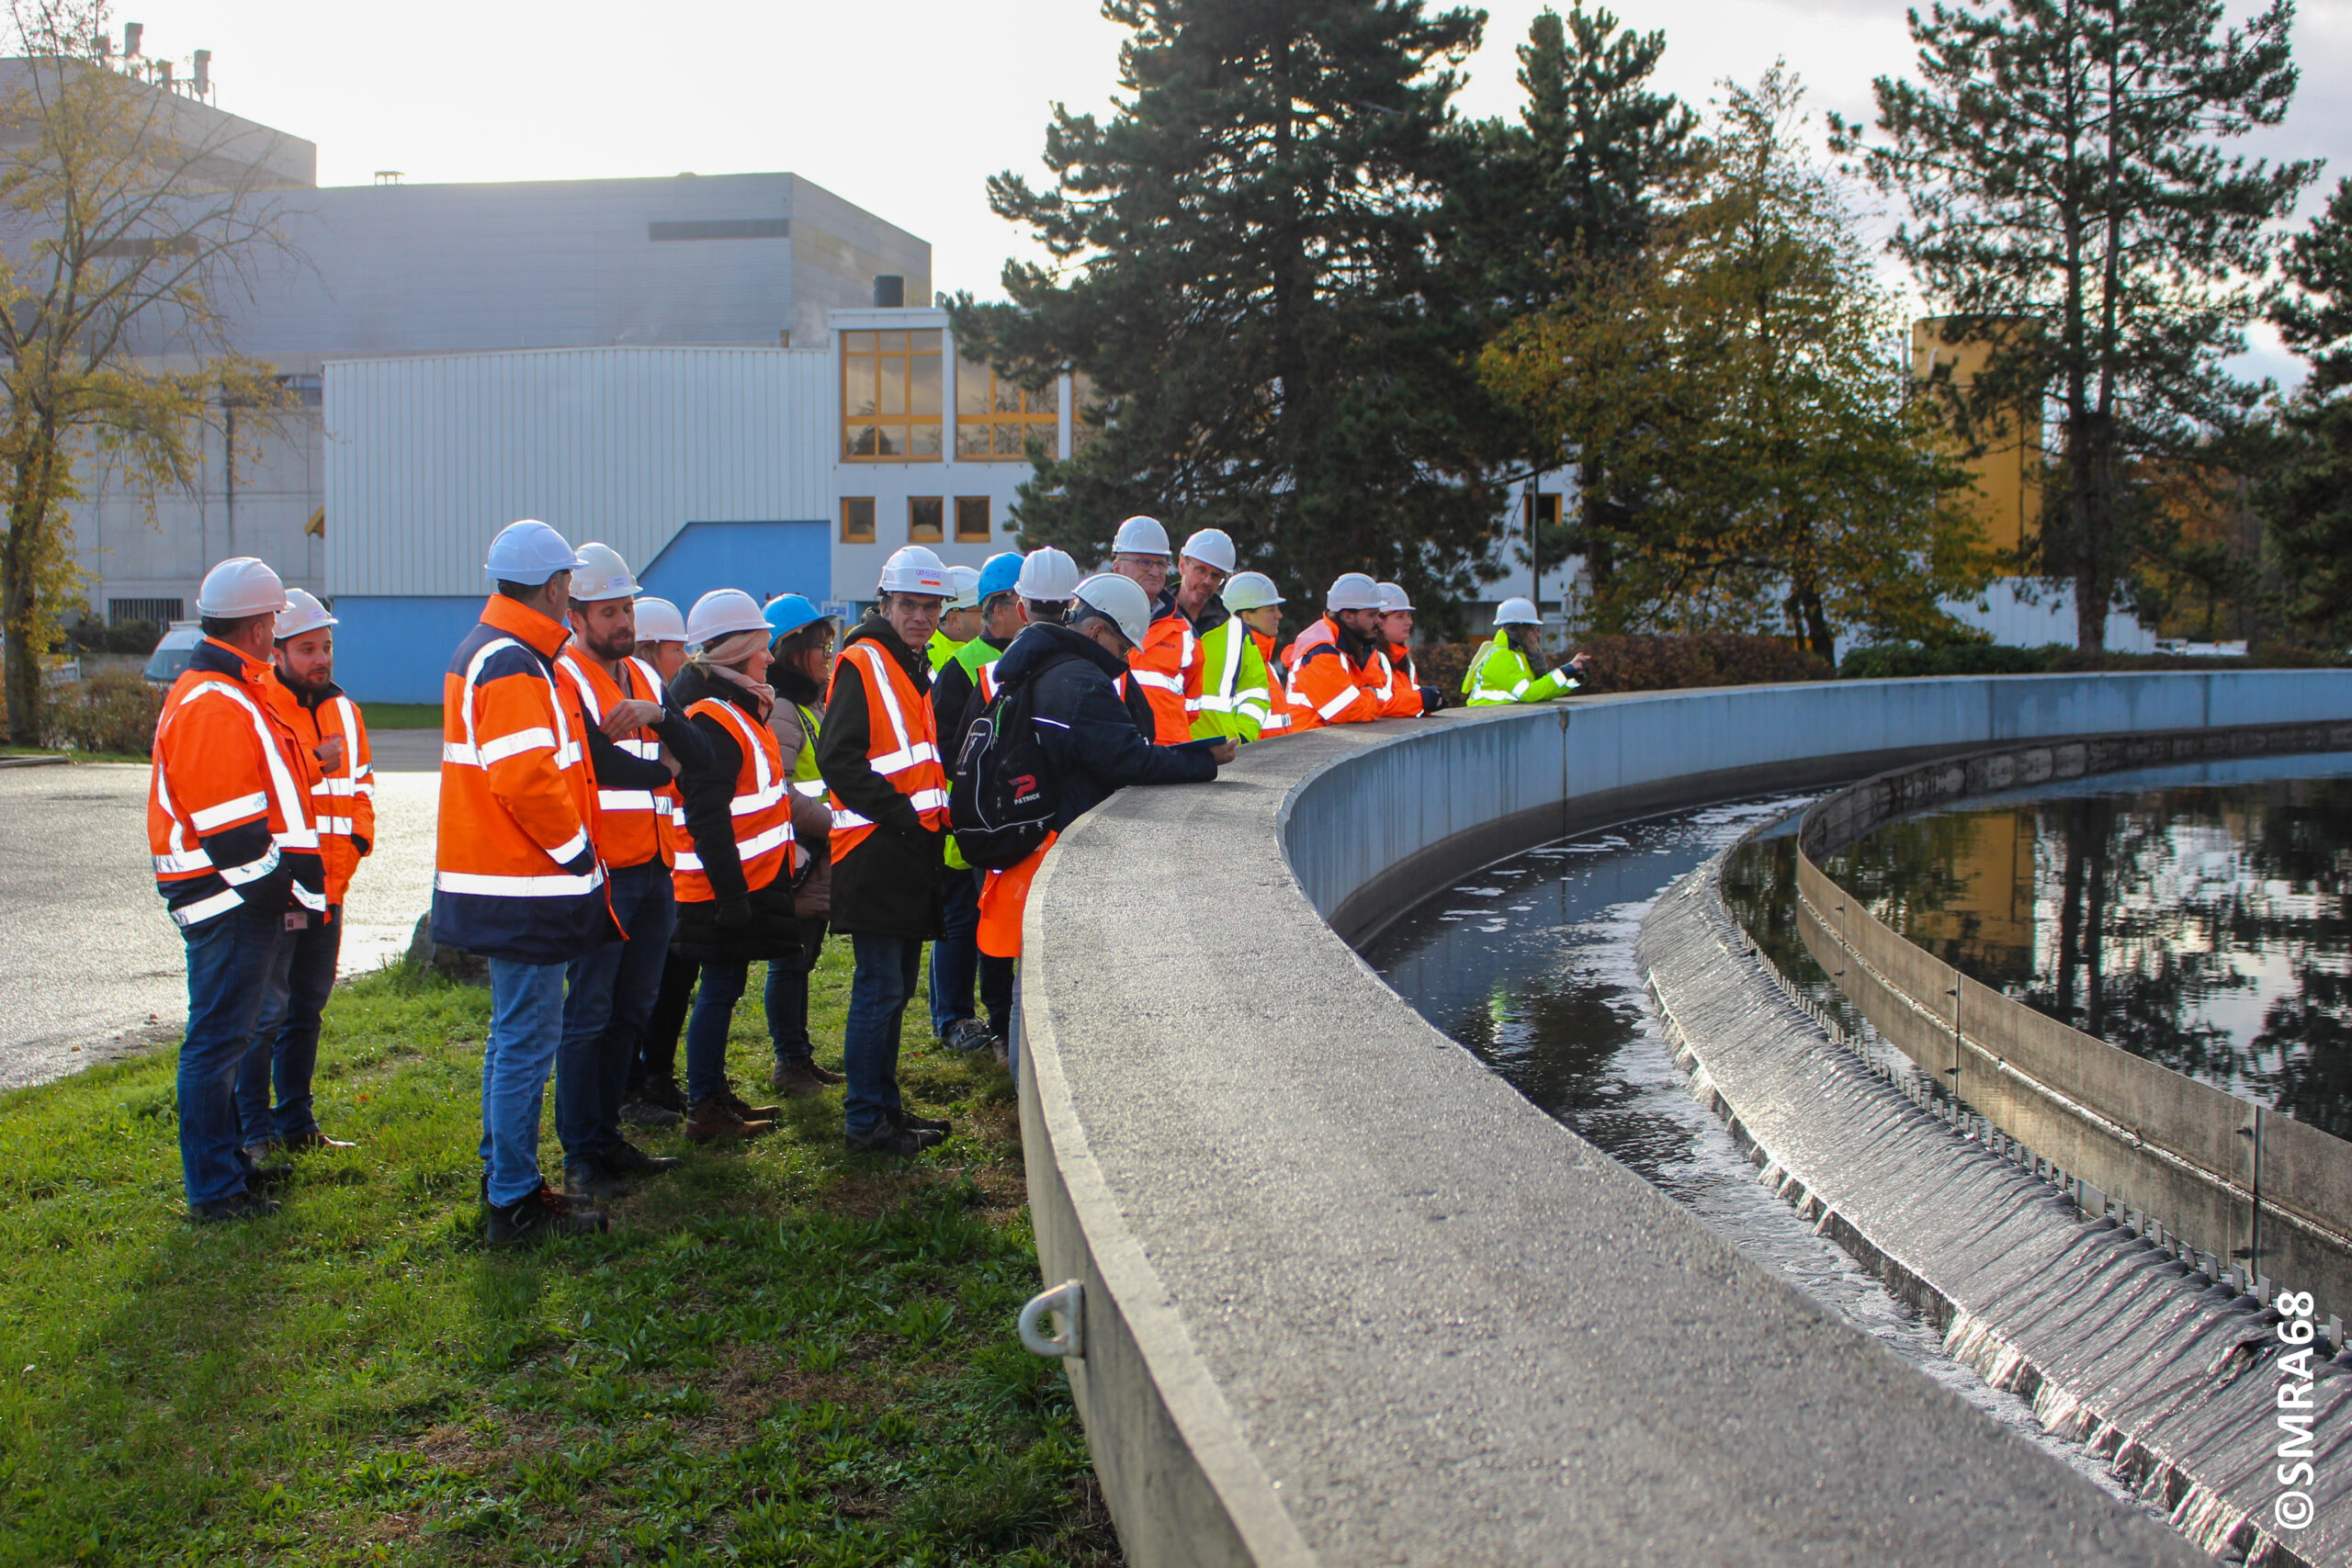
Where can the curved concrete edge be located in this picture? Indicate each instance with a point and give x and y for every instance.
(2069, 1312)
(1162, 1438)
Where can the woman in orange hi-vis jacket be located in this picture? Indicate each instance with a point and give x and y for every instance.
(517, 878)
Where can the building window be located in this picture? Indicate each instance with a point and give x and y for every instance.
(926, 517)
(996, 419)
(971, 520)
(890, 397)
(857, 520)
(1542, 510)
(155, 611)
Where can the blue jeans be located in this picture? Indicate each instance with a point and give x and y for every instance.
(526, 1028)
(608, 996)
(787, 996)
(232, 959)
(955, 956)
(722, 988)
(879, 989)
(286, 1038)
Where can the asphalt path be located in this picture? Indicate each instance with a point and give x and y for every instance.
(92, 968)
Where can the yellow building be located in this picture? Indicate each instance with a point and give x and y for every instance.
(2007, 498)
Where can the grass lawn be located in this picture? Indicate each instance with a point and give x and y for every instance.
(70, 755)
(402, 715)
(782, 1353)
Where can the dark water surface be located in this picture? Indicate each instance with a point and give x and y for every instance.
(1530, 965)
(2194, 915)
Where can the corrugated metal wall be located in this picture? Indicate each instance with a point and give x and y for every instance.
(426, 459)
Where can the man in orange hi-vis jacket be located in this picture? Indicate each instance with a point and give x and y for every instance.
(1339, 671)
(517, 878)
(326, 724)
(237, 862)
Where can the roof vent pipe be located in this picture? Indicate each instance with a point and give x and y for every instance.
(203, 72)
(131, 32)
(889, 291)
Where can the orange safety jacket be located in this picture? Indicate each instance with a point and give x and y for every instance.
(762, 810)
(228, 804)
(1004, 897)
(1329, 687)
(342, 799)
(1168, 666)
(517, 875)
(902, 746)
(1404, 699)
(1278, 709)
(633, 825)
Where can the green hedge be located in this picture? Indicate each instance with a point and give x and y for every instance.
(1887, 661)
(1652, 663)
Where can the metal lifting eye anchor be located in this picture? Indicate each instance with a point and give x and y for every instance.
(1069, 1300)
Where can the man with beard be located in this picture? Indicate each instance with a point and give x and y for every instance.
(343, 809)
(610, 989)
(1338, 668)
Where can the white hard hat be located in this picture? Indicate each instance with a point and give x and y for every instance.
(241, 586)
(658, 621)
(303, 612)
(913, 570)
(1352, 590)
(529, 552)
(1516, 613)
(1393, 598)
(1250, 590)
(1140, 536)
(1120, 599)
(721, 612)
(1048, 576)
(602, 574)
(1212, 547)
(963, 587)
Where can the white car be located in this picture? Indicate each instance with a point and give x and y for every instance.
(172, 655)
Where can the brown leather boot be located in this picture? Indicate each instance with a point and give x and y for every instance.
(713, 1119)
(749, 1112)
(796, 1079)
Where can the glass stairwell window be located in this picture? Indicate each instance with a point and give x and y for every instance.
(891, 397)
(997, 418)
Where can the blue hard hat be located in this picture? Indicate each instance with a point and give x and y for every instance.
(1000, 574)
(529, 552)
(787, 613)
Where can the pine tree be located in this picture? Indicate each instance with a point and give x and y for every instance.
(2305, 491)
(2069, 199)
(1557, 204)
(1242, 271)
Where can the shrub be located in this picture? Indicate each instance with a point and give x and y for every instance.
(1653, 663)
(1887, 661)
(90, 635)
(105, 713)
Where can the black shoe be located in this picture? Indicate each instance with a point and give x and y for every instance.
(537, 1217)
(663, 1094)
(907, 1120)
(645, 1114)
(586, 1181)
(890, 1140)
(966, 1034)
(244, 1206)
(266, 1178)
(630, 1161)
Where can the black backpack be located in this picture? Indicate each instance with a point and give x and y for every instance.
(1000, 795)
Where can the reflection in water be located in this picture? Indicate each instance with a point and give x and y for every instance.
(1530, 965)
(2192, 916)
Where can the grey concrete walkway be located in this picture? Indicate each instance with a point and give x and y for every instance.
(91, 968)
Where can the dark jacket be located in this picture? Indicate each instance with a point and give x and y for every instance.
(1093, 743)
(740, 925)
(795, 725)
(954, 703)
(893, 883)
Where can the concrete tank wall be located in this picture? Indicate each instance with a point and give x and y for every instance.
(1350, 1299)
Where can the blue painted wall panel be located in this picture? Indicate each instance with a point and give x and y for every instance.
(763, 559)
(395, 650)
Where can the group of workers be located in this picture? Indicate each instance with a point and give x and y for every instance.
(637, 806)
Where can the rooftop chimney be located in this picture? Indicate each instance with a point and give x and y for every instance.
(131, 32)
(203, 72)
(889, 291)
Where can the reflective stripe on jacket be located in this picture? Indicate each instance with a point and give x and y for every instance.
(1236, 694)
(517, 875)
(1168, 666)
(1404, 699)
(633, 825)
(1499, 674)
(902, 746)
(228, 800)
(1327, 686)
(762, 809)
(342, 800)
(1278, 715)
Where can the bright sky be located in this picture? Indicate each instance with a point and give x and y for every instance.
(903, 106)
